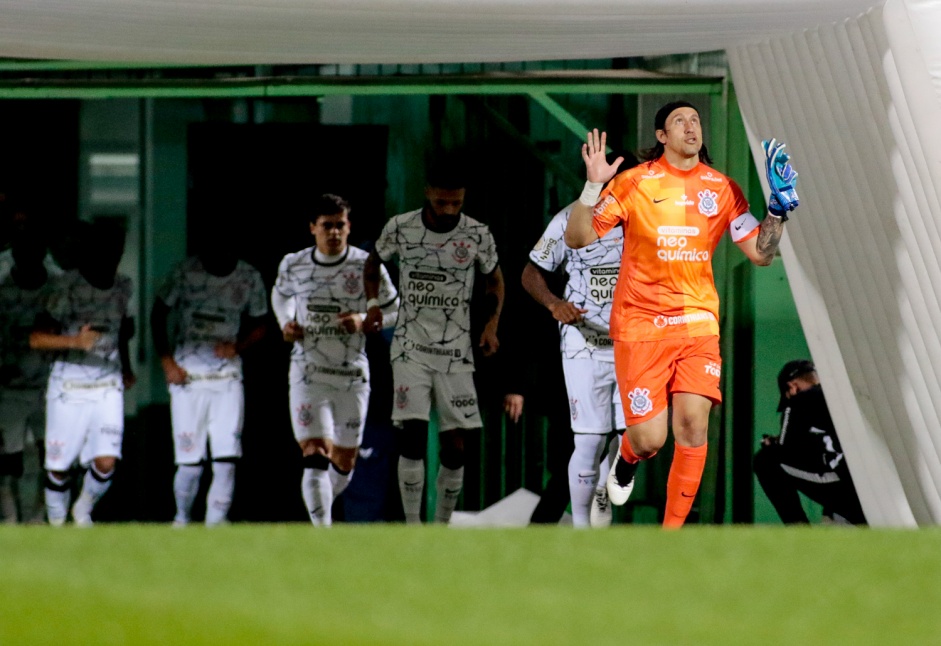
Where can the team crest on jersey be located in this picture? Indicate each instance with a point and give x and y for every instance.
(401, 397)
(461, 252)
(708, 202)
(305, 415)
(351, 282)
(573, 406)
(640, 401)
(186, 442)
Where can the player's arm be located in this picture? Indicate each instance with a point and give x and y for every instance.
(534, 282)
(125, 334)
(283, 308)
(762, 248)
(494, 290)
(372, 275)
(579, 232)
(47, 335)
(172, 371)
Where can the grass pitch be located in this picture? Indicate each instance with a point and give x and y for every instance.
(291, 584)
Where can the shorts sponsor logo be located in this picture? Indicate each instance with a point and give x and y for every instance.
(186, 441)
(661, 321)
(640, 401)
(401, 397)
(463, 401)
(461, 252)
(305, 415)
(356, 422)
(714, 369)
(708, 202)
(352, 282)
(573, 407)
(112, 430)
(54, 449)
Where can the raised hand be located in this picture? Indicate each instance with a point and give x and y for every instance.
(566, 312)
(593, 153)
(782, 178)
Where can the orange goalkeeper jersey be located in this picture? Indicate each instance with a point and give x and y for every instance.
(672, 221)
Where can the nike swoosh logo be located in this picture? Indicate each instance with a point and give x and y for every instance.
(740, 226)
(412, 484)
(662, 199)
(469, 415)
(685, 496)
(451, 492)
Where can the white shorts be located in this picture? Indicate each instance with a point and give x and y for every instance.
(321, 411)
(83, 428)
(454, 393)
(213, 413)
(21, 411)
(594, 399)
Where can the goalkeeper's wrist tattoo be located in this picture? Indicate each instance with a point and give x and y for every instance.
(769, 236)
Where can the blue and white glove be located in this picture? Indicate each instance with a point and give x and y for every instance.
(781, 179)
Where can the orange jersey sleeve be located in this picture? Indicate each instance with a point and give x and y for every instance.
(673, 221)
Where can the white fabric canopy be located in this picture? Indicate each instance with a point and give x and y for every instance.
(215, 32)
(853, 86)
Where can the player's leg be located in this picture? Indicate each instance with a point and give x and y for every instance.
(101, 452)
(601, 515)
(643, 372)
(12, 442)
(350, 412)
(313, 423)
(36, 425)
(226, 412)
(187, 419)
(66, 427)
(695, 389)
(410, 410)
(11, 470)
(456, 403)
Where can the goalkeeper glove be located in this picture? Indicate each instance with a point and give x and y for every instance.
(781, 179)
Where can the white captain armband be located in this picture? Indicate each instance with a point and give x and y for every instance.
(741, 226)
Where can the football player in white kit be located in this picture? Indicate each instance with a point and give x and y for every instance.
(320, 304)
(587, 353)
(219, 302)
(24, 291)
(439, 248)
(87, 317)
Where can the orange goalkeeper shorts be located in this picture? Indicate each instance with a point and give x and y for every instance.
(649, 372)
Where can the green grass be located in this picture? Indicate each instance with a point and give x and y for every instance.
(432, 585)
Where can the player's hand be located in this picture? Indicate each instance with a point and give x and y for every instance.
(373, 321)
(86, 338)
(565, 312)
(226, 350)
(513, 405)
(129, 379)
(173, 372)
(488, 339)
(593, 153)
(770, 440)
(352, 322)
(292, 331)
(781, 178)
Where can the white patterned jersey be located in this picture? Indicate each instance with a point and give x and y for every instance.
(74, 303)
(592, 276)
(18, 310)
(436, 279)
(209, 310)
(316, 294)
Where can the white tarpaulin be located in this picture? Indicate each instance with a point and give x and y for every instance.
(852, 86)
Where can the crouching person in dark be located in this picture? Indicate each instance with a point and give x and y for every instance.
(806, 456)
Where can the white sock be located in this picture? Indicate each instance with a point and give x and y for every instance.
(95, 484)
(57, 500)
(411, 487)
(339, 481)
(185, 486)
(583, 475)
(317, 492)
(613, 447)
(219, 498)
(449, 484)
(9, 499)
